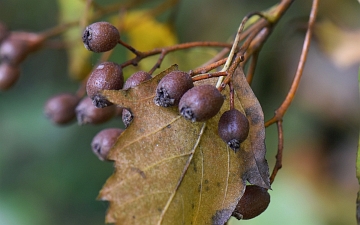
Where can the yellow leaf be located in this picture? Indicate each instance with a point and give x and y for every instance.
(145, 32)
(342, 46)
(78, 55)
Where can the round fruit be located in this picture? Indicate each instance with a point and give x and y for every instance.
(201, 103)
(13, 51)
(87, 113)
(60, 109)
(136, 78)
(233, 128)
(103, 141)
(254, 201)
(107, 76)
(100, 37)
(8, 75)
(172, 87)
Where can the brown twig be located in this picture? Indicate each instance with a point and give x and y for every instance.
(279, 154)
(279, 113)
(166, 50)
(252, 67)
(208, 67)
(209, 75)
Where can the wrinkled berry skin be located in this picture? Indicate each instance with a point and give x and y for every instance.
(60, 109)
(233, 128)
(106, 76)
(172, 87)
(135, 79)
(254, 202)
(87, 113)
(201, 103)
(100, 37)
(9, 74)
(103, 141)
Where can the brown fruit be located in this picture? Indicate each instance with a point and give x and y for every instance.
(254, 201)
(100, 37)
(233, 128)
(136, 78)
(106, 76)
(60, 109)
(87, 113)
(9, 74)
(201, 103)
(172, 87)
(103, 141)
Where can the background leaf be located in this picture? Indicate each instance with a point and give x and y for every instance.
(78, 56)
(172, 171)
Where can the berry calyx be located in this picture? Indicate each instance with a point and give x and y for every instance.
(127, 117)
(106, 76)
(172, 87)
(233, 128)
(201, 103)
(60, 109)
(100, 37)
(87, 113)
(9, 74)
(136, 78)
(103, 141)
(254, 201)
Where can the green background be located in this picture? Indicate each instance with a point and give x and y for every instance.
(48, 174)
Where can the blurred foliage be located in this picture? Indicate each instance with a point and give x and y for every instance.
(48, 174)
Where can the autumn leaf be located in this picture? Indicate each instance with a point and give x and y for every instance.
(171, 171)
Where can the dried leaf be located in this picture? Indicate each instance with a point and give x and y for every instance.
(171, 171)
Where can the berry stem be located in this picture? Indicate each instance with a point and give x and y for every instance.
(279, 113)
(252, 67)
(208, 75)
(231, 96)
(278, 164)
(133, 50)
(207, 68)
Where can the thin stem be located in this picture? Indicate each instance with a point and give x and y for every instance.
(207, 68)
(278, 164)
(279, 113)
(172, 48)
(209, 75)
(252, 67)
(231, 96)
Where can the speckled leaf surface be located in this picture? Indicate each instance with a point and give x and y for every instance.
(171, 171)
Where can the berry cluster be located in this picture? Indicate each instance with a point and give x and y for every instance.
(14, 48)
(200, 103)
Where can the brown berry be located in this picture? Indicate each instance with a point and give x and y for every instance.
(87, 113)
(201, 103)
(106, 76)
(103, 141)
(9, 74)
(100, 37)
(60, 109)
(13, 51)
(136, 78)
(233, 128)
(254, 201)
(172, 87)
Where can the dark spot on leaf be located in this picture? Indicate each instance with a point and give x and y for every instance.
(221, 217)
(192, 206)
(199, 188)
(218, 184)
(206, 181)
(207, 188)
(168, 126)
(254, 115)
